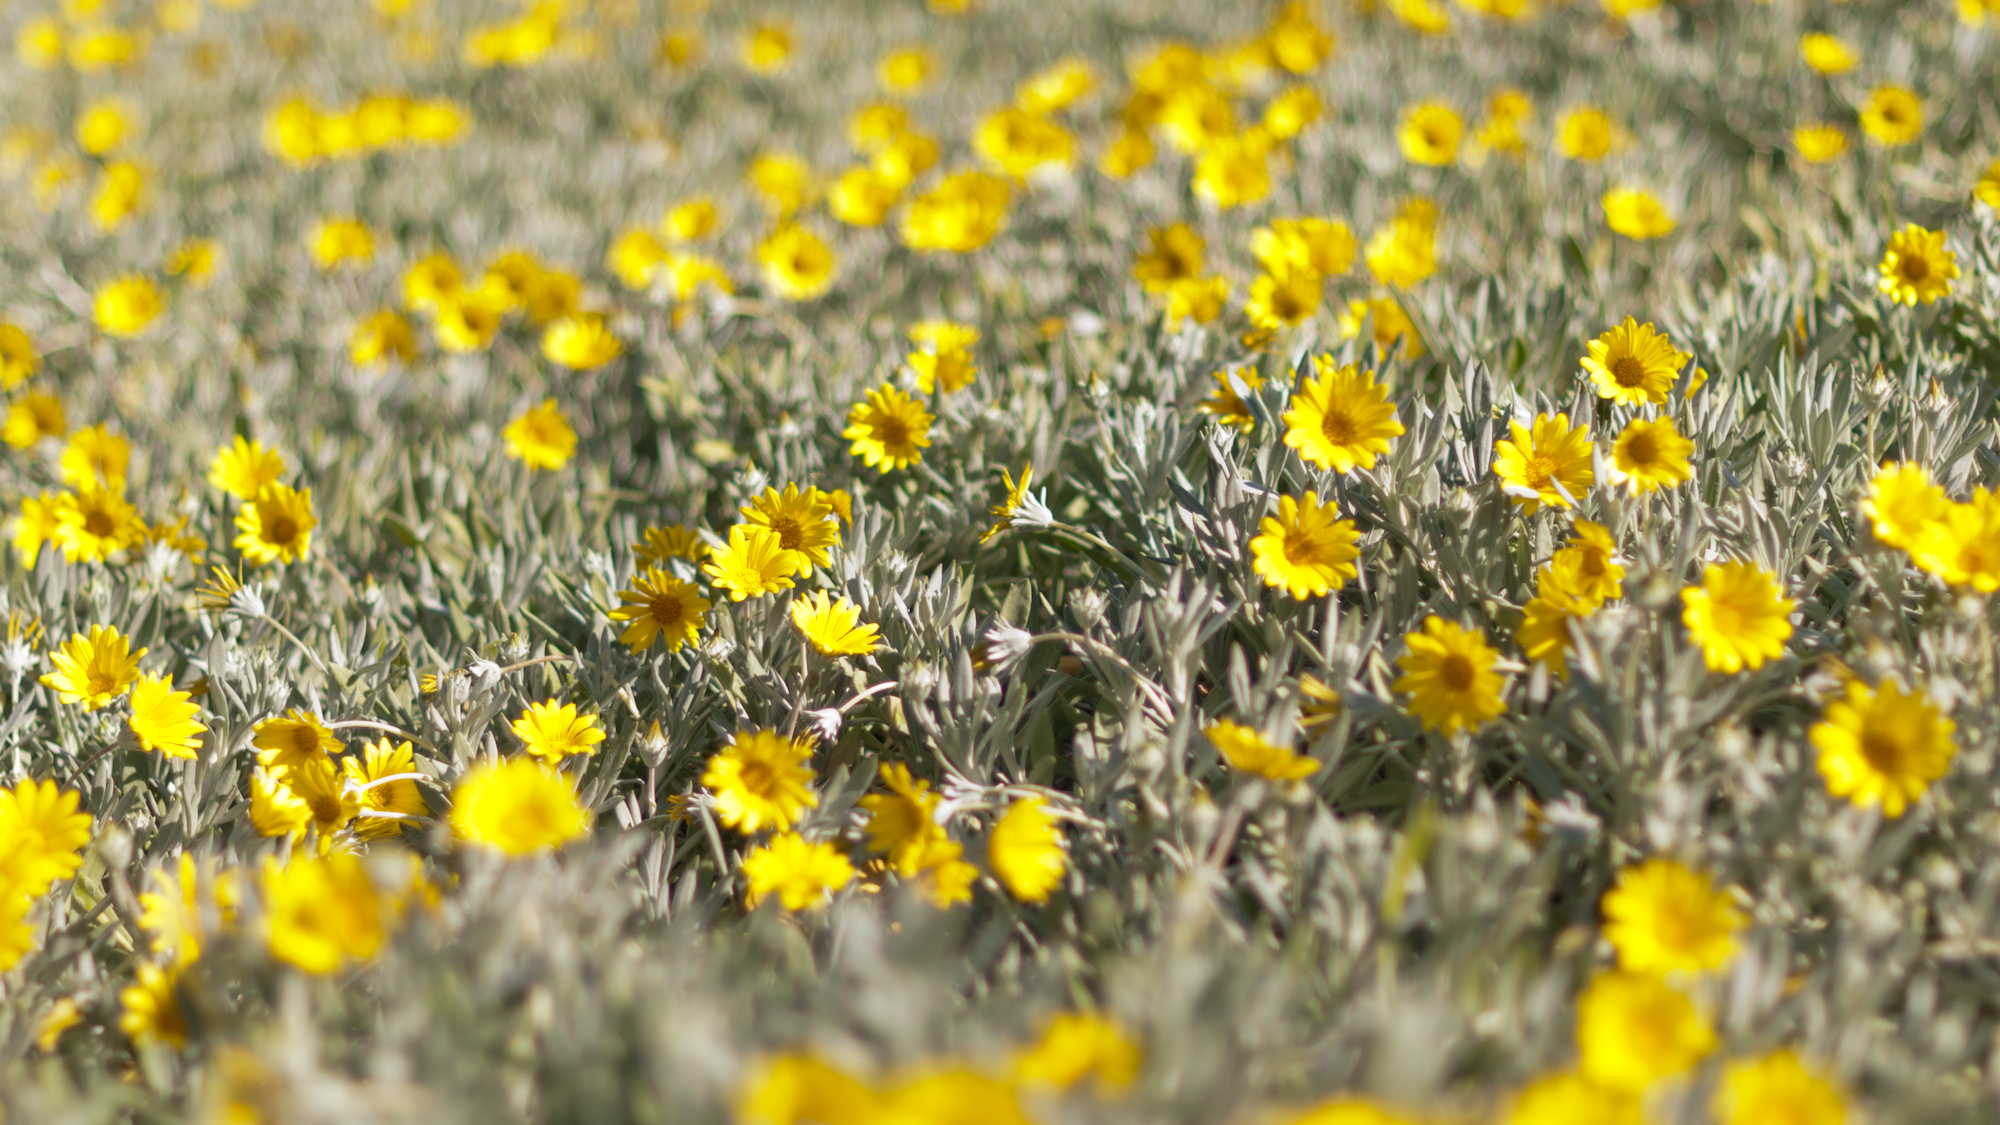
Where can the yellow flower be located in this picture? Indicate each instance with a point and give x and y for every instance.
(1305, 549)
(96, 457)
(1572, 1099)
(1586, 133)
(1348, 1111)
(151, 1010)
(834, 626)
(1819, 143)
(1902, 502)
(541, 438)
(1296, 42)
(767, 48)
(1738, 615)
(41, 834)
(94, 523)
(862, 196)
(1449, 675)
(342, 241)
(1777, 1088)
(1391, 326)
(1025, 851)
(1962, 546)
(753, 563)
(1073, 1045)
(1826, 54)
(195, 260)
(945, 359)
(517, 807)
(1652, 455)
(1234, 171)
(32, 417)
(1003, 513)
(39, 42)
(293, 739)
(1544, 630)
(435, 278)
(1056, 88)
(1018, 143)
(1632, 1029)
(467, 320)
(796, 263)
(121, 191)
(1321, 246)
(1173, 253)
(276, 526)
(1546, 464)
(763, 779)
(1588, 567)
(125, 307)
(1916, 266)
(163, 719)
(383, 335)
(872, 127)
(1291, 111)
(803, 522)
(1341, 418)
(904, 71)
(1882, 746)
(17, 356)
(40, 522)
(61, 1016)
(1663, 917)
(371, 774)
(288, 800)
(580, 342)
(1893, 116)
(93, 670)
(1430, 133)
(1404, 252)
(903, 821)
(673, 542)
(1284, 299)
(552, 731)
(321, 913)
(1987, 190)
(1196, 117)
(1226, 405)
(660, 606)
(635, 257)
(1246, 750)
(905, 157)
(245, 467)
(1632, 363)
(783, 180)
(961, 214)
(690, 220)
(1636, 214)
(802, 875)
(890, 430)
(1132, 151)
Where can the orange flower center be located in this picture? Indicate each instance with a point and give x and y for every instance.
(1457, 672)
(1338, 427)
(99, 523)
(665, 611)
(1627, 371)
(1913, 267)
(891, 430)
(325, 807)
(790, 534)
(305, 741)
(1883, 750)
(283, 529)
(1642, 450)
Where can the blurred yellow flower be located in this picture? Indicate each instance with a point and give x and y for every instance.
(861, 197)
(762, 779)
(1448, 673)
(1321, 246)
(1430, 133)
(195, 260)
(32, 417)
(39, 43)
(1633, 1029)
(1738, 616)
(1586, 133)
(1289, 113)
(128, 305)
(797, 265)
(1132, 151)
(1987, 190)
(517, 807)
(243, 467)
(580, 342)
(1544, 630)
(289, 801)
(1819, 143)
(889, 429)
(1018, 143)
(1826, 54)
(1546, 463)
(1296, 41)
(322, 913)
(96, 457)
(1662, 917)
(904, 70)
(1588, 567)
(1234, 171)
(1917, 267)
(1902, 502)
(102, 125)
(541, 438)
(384, 335)
(1055, 88)
(1306, 549)
(1173, 253)
(768, 48)
(904, 157)
(660, 607)
(276, 526)
(1962, 546)
(554, 731)
(434, 278)
(1893, 116)
(690, 220)
(1025, 850)
(1636, 214)
(94, 523)
(801, 874)
(1202, 298)
(1247, 751)
(1404, 252)
(658, 544)
(93, 670)
(1426, 16)
(1572, 1099)
(149, 1011)
(342, 241)
(18, 359)
(944, 355)
(902, 823)
(961, 214)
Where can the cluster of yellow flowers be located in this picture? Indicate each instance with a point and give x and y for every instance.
(41, 836)
(303, 134)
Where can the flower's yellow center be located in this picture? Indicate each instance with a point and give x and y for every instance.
(760, 777)
(1338, 427)
(1457, 672)
(666, 611)
(1883, 749)
(100, 681)
(1540, 470)
(1914, 267)
(325, 807)
(1641, 450)
(1594, 563)
(1894, 114)
(1303, 548)
(532, 820)
(1627, 371)
(305, 741)
(892, 431)
(99, 523)
(283, 529)
(1725, 619)
(790, 533)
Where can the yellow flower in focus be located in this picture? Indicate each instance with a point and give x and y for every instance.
(902, 823)
(1893, 116)
(783, 180)
(93, 670)
(554, 731)
(1826, 54)
(1448, 673)
(32, 417)
(802, 875)
(1636, 214)
(768, 48)
(293, 739)
(1546, 464)
(1632, 363)
(1917, 267)
(1234, 172)
(149, 1009)
(322, 913)
(580, 342)
(1341, 418)
(1025, 851)
(379, 773)
(276, 526)
(659, 544)
(340, 241)
(1662, 917)
(163, 720)
(1074, 1045)
(383, 336)
(889, 430)
(286, 801)
(1430, 133)
(690, 220)
(1572, 1099)
(1586, 134)
(1651, 455)
(796, 263)
(802, 521)
(517, 807)
(1902, 502)
(753, 563)
(834, 626)
(862, 196)
(1738, 615)
(660, 606)
(1404, 252)
(96, 457)
(1633, 1029)
(17, 356)
(904, 70)
(121, 192)
(541, 438)
(1882, 746)
(245, 467)
(1246, 750)
(125, 307)
(1306, 549)
(761, 780)
(94, 523)
(961, 214)
(1819, 143)
(1777, 1088)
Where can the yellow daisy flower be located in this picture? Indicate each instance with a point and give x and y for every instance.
(342, 241)
(1173, 253)
(1284, 299)
(289, 800)
(245, 467)
(18, 359)
(46, 832)
(1234, 171)
(1819, 142)
(802, 875)
(293, 739)
(1587, 567)
(322, 913)
(1305, 549)
(1246, 750)
(960, 215)
(671, 542)
(660, 606)
(1637, 215)
(517, 807)
(1572, 1099)
(753, 563)
(1917, 267)
(902, 822)
(96, 458)
(276, 526)
(541, 438)
(1963, 545)
(1882, 746)
(148, 1009)
(1074, 1045)
(95, 523)
(1777, 1087)
(1652, 455)
(1341, 418)
(1902, 503)
(797, 265)
(1546, 464)
(1662, 917)
(802, 521)
(1632, 363)
(1586, 134)
(1430, 133)
(1893, 116)
(1633, 1029)
(890, 430)
(128, 306)
(1738, 615)
(434, 278)
(32, 417)
(833, 626)
(1544, 630)
(1449, 676)
(1025, 850)
(1225, 405)
(690, 220)
(1404, 252)
(580, 342)
(93, 670)
(763, 779)
(163, 720)
(1826, 54)
(378, 772)
(552, 731)
(384, 335)
(1987, 189)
